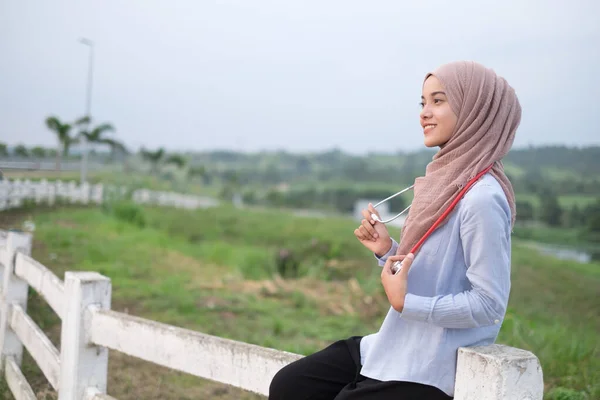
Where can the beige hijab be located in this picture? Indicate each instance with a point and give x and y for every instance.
(488, 114)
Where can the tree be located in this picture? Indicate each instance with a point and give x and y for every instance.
(592, 225)
(3, 150)
(154, 158)
(38, 152)
(524, 210)
(115, 147)
(202, 173)
(176, 159)
(550, 211)
(21, 151)
(63, 134)
(98, 135)
(574, 217)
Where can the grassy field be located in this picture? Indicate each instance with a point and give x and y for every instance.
(213, 271)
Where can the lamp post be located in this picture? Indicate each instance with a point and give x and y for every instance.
(88, 109)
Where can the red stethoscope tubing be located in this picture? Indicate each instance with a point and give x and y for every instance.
(449, 209)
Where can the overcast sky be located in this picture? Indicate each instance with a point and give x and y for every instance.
(305, 75)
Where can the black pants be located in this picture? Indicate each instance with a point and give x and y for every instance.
(334, 374)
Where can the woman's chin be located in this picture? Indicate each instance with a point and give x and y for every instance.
(430, 143)
(434, 142)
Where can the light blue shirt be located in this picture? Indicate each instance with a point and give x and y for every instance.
(458, 287)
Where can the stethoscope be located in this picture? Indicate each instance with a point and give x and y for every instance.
(397, 266)
(376, 218)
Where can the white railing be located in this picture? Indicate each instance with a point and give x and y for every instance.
(89, 328)
(45, 165)
(14, 194)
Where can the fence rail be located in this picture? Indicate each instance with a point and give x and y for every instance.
(239, 364)
(15, 193)
(40, 278)
(89, 328)
(46, 165)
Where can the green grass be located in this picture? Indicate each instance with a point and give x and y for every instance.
(562, 237)
(554, 312)
(210, 270)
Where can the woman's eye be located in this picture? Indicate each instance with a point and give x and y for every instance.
(437, 101)
(421, 104)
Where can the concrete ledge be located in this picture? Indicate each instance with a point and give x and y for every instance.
(498, 372)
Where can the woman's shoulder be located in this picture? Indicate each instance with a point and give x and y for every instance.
(486, 194)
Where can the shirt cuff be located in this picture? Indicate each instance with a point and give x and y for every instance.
(417, 308)
(391, 252)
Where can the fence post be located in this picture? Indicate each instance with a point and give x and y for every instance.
(14, 291)
(99, 194)
(498, 372)
(72, 192)
(84, 193)
(40, 190)
(51, 194)
(83, 365)
(4, 190)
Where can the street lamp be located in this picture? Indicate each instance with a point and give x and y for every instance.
(88, 108)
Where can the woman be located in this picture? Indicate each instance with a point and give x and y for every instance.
(454, 291)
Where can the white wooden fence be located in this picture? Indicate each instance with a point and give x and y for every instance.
(14, 194)
(89, 328)
(45, 165)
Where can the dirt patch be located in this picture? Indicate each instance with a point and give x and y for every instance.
(332, 298)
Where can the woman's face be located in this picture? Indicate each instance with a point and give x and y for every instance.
(437, 118)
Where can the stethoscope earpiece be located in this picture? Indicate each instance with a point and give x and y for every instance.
(376, 218)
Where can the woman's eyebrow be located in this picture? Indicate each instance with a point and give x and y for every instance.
(434, 93)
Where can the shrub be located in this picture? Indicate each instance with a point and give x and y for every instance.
(130, 213)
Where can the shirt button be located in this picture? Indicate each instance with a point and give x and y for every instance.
(496, 321)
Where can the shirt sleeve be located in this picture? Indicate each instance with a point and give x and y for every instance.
(381, 260)
(485, 237)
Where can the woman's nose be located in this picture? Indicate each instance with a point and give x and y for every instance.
(425, 112)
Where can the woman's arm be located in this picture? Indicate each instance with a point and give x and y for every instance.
(485, 236)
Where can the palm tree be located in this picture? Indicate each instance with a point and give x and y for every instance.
(98, 135)
(63, 135)
(115, 147)
(154, 157)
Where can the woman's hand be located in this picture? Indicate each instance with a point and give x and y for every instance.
(395, 285)
(372, 234)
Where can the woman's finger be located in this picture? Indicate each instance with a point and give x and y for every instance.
(372, 210)
(387, 267)
(370, 229)
(362, 233)
(366, 235)
(367, 215)
(406, 263)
